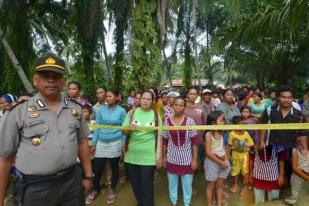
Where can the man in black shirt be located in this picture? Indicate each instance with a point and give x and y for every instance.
(283, 112)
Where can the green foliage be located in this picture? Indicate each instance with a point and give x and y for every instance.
(145, 52)
(261, 42)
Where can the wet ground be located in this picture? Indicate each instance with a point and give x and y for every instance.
(125, 195)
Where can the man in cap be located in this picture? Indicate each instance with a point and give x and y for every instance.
(206, 103)
(47, 134)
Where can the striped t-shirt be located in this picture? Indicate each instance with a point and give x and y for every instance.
(179, 146)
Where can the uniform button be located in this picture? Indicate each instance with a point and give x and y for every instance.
(60, 131)
(62, 147)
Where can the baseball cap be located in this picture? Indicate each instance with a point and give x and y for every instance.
(207, 91)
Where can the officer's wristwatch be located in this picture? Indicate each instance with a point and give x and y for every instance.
(88, 177)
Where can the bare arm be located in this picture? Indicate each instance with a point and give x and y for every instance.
(262, 135)
(5, 167)
(84, 156)
(194, 164)
(281, 173)
(164, 155)
(303, 142)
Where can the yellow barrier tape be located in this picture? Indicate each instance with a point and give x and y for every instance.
(285, 126)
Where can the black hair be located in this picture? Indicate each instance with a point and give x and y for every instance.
(258, 94)
(114, 91)
(151, 93)
(163, 93)
(245, 87)
(237, 119)
(183, 99)
(100, 87)
(213, 117)
(245, 107)
(241, 95)
(136, 93)
(79, 86)
(88, 107)
(155, 93)
(227, 90)
(86, 96)
(284, 88)
(193, 87)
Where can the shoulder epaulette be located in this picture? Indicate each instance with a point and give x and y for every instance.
(14, 104)
(76, 102)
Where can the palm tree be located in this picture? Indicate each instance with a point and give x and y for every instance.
(89, 26)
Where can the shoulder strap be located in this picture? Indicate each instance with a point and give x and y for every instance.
(132, 115)
(15, 104)
(76, 102)
(268, 114)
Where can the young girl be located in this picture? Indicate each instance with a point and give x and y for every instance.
(216, 165)
(180, 152)
(87, 112)
(265, 175)
(248, 119)
(300, 166)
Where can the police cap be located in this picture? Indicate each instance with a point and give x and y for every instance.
(50, 63)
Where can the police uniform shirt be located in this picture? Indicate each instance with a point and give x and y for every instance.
(58, 136)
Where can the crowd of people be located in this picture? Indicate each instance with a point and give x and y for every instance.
(264, 161)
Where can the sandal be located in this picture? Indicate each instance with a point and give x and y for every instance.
(233, 189)
(91, 197)
(111, 198)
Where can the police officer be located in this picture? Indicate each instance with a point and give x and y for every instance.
(47, 134)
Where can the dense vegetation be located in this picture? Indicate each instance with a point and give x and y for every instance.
(257, 42)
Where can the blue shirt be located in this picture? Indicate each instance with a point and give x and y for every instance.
(109, 116)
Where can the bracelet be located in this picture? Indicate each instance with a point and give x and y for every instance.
(88, 177)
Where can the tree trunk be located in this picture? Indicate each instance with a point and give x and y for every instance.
(119, 53)
(196, 58)
(28, 86)
(108, 67)
(88, 71)
(187, 68)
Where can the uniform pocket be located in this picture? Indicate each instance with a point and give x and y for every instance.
(36, 131)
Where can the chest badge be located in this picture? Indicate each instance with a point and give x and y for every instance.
(34, 114)
(36, 141)
(32, 108)
(75, 112)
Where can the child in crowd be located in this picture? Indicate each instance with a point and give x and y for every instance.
(245, 112)
(300, 166)
(180, 152)
(216, 164)
(87, 112)
(265, 174)
(240, 142)
(130, 101)
(168, 109)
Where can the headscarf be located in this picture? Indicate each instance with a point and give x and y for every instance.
(9, 98)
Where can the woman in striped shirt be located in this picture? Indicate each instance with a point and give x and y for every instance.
(179, 159)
